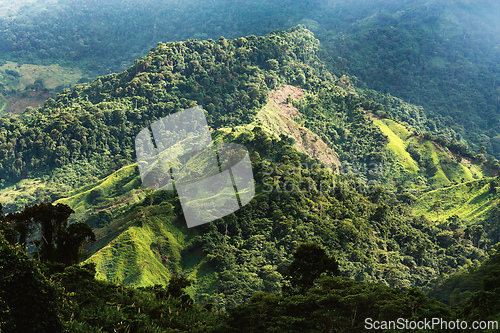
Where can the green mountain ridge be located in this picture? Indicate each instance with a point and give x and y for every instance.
(141, 236)
(437, 54)
(370, 204)
(388, 195)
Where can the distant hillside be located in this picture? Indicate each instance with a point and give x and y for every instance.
(425, 162)
(442, 55)
(438, 54)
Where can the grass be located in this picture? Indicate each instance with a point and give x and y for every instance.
(475, 170)
(30, 85)
(471, 200)
(144, 245)
(151, 253)
(278, 122)
(439, 175)
(51, 76)
(129, 260)
(398, 135)
(126, 179)
(440, 165)
(24, 192)
(401, 131)
(447, 168)
(269, 118)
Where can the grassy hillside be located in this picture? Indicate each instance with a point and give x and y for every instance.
(151, 250)
(139, 242)
(398, 141)
(19, 76)
(107, 190)
(426, 158)
(473, 201)
(24, 85)
(281, 118)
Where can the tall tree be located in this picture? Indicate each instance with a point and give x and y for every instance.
(436, 207)
(310, 262)
(46, 227)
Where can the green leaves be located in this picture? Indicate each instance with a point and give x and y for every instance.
(28, 301)
(336, 304)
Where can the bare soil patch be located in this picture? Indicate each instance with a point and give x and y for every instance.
(279, 97)
(17, 105)
(306, 141)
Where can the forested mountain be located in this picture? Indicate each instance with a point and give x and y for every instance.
(441, 55)
(391, 204)
(107, 36)
(141, 237)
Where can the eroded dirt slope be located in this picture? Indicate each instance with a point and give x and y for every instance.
(278, 116)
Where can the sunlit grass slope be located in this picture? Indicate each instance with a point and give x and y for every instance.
(145, 243)
(472, 201)
(443, 167)
(128, 259)
(398, 136)
(436, 163)
(9, 193)
(122, 181)
(150, 251)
